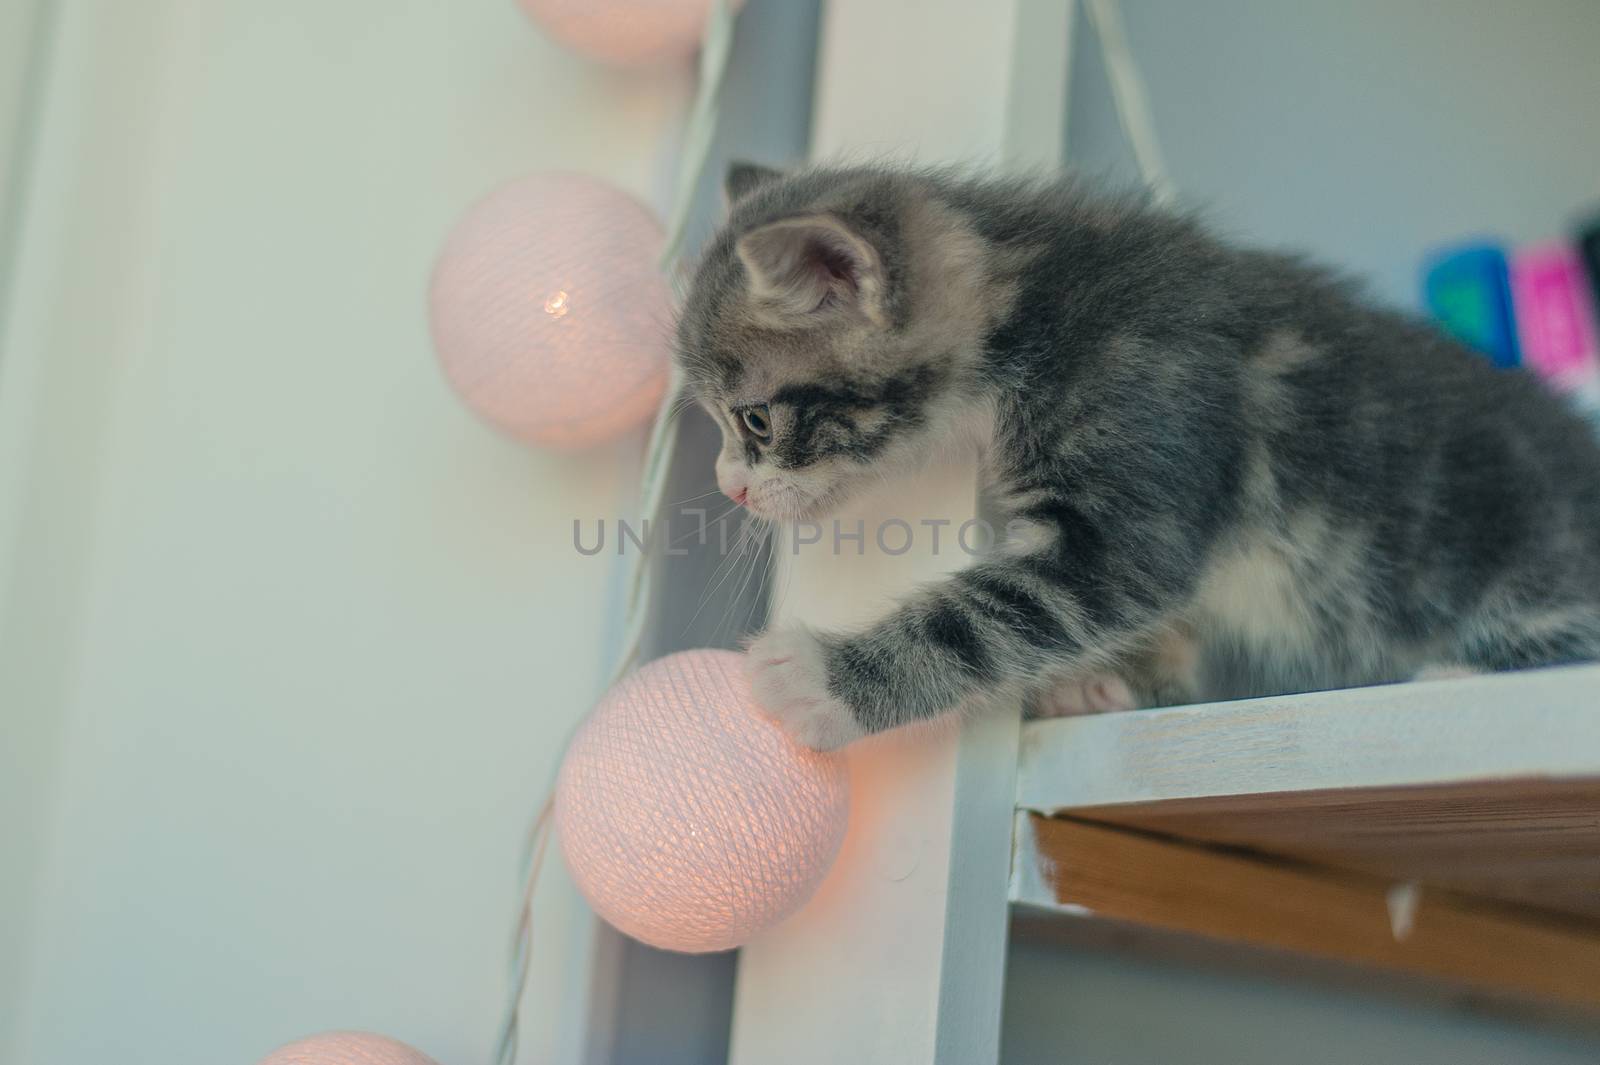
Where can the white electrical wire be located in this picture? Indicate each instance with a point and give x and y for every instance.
(699, 130)
(1132, 103)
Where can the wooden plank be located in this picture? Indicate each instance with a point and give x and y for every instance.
(878, 921)
(1080, 870)
(986, 85)
(976, 912)
(24, 41)
(1166, 948)
(1533, 725)
(900, 958)
(1535, 842)
(1035, 123)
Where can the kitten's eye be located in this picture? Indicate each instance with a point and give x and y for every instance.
(757, 421)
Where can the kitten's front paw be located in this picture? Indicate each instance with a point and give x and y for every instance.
(1097, 693)
(789, 677)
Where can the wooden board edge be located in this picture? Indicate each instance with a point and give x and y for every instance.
(1077, 870)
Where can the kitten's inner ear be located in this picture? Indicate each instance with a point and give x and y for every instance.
(743, 178)
(801, 266)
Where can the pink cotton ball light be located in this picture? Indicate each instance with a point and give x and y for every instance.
(624, 32)
(689, 821)
(549, 314)
(347, 1048)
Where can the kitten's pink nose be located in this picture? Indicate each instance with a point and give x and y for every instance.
(734, 487)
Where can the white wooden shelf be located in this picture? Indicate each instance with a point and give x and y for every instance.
(1505, 726)
(1448, 829)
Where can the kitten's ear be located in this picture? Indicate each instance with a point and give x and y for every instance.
(742, 178)
(801, 266)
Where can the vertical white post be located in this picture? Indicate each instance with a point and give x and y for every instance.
(900, 958)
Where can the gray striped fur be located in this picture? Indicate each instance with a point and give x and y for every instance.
(1233, 474)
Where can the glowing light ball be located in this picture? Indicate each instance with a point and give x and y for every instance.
(549, 314)
(688, 820)
(347, 1048)
(624, 32)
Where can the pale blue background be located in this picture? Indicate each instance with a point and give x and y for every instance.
(1364, 131)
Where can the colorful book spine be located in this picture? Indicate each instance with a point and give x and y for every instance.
(1467, 289)
(1555, 320)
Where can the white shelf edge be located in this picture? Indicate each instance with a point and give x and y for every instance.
(1532, 725)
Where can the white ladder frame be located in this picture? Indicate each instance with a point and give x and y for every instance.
(900, 958)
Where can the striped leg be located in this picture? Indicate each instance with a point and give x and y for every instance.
(994, 631)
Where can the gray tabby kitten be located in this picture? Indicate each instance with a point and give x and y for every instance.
(1229, 475)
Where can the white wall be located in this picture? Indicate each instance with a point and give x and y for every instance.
(1366, 131)
(18, 23)
(289, 640)
(23, 744)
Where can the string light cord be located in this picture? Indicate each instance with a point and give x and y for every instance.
(699, 131)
